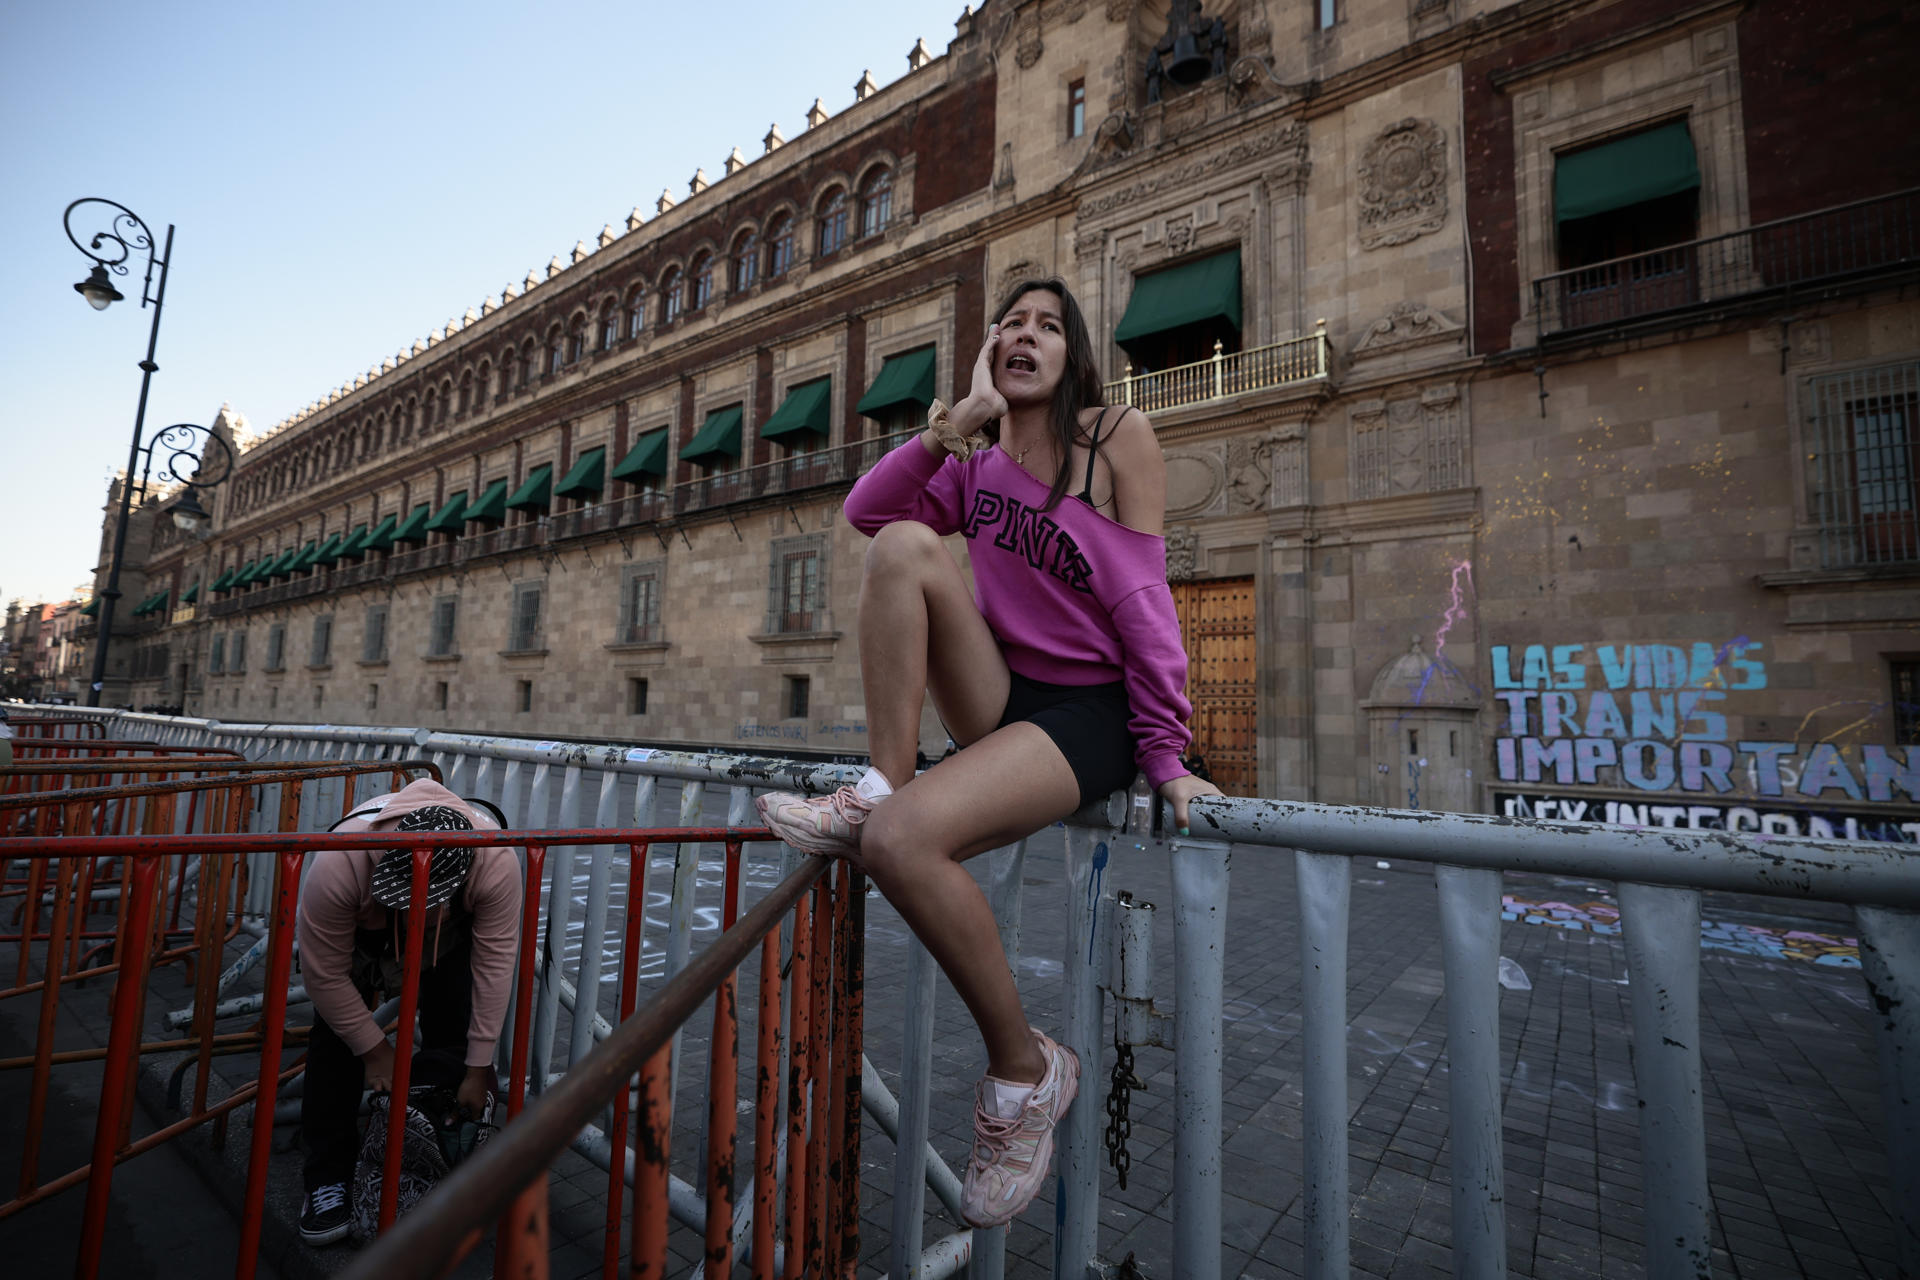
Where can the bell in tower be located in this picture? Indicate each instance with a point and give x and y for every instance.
(1191, 50)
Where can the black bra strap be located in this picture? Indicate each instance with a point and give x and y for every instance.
(1093, 445)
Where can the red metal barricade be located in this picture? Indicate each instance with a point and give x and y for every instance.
(506, 1179)
(35, 726)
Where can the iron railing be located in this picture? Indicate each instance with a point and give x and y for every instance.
(1224, 374)
(795, 474)
(1863, 488)
(1828, 246)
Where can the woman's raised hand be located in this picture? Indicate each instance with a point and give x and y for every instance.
(985, 398)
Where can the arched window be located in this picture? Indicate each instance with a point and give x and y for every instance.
(609, 326)
(406, 421)
(700, 282)
(636, 309)
(466, 393)
(744, 260)
(876, 202)
(779, 246)
(481, 384)
(576, 337)
(831, 225)
(446, 400)
(672, 295)
(554, 351)
(526, 363)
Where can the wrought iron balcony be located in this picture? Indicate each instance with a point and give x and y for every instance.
(790, 475)
(1827, 247)
(1225, 374)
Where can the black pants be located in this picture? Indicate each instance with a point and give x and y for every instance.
(330, 1105)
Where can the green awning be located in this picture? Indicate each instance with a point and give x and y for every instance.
(160, 601)
(224, 582)
(451, 516)
(355, 547)
(587, 478)
(648, 457)
(904, 379)
(414, 528)
(382, 537)
(245, 577)
(1641, 166)
(1193, 292)
(308, 554)
(140, 610)
(150, 604)
(191, 594)
(537, 493)
(807, 408)
(283, 563)
(91, 609)
(718, 437)
(329, 552)
(491, 505)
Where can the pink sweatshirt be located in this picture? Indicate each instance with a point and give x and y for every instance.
(1073, 597)
(335, 901)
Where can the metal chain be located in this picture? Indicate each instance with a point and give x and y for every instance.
(1119, 1097)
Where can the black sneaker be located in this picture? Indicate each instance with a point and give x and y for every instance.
(325, 1216)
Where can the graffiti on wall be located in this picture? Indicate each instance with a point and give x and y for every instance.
(1715, 935)
(1655, 717)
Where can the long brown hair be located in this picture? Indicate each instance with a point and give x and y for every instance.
(1080, 386)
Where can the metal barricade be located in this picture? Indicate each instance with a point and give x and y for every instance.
(1660, 873)
(825, 936)
(30, 725)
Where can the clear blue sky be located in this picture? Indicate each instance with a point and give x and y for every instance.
(343, 179)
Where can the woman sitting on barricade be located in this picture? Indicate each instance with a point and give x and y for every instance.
(1060, 674)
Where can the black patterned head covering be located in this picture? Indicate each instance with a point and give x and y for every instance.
(392, 883)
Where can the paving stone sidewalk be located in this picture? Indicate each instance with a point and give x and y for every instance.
(1796, 1159)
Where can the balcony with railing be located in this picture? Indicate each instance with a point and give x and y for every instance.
(1296, 361)
(1826, 248)
(790, 475)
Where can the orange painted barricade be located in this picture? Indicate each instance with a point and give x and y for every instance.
(505, 1180)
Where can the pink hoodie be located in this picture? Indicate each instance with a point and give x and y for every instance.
(1073, 597)
(334, 901)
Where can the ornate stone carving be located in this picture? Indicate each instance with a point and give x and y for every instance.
(1250, 474)
(1025, 268)
(1089, 245)
(1195, 479)
(1114, 137)
(1179, 234)
(1407, 445)
(1117, 10)
(1403, 184)
(1406, 324)
(1292, 138)
(1183, 547)
(1029, 47)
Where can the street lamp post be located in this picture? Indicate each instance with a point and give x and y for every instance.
(124, 235)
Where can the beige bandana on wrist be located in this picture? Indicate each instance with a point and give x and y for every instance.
(940, 423)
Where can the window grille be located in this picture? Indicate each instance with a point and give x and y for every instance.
(1861, 450)
(672, 296)
(746, 261)
(1906, 703)
(277, 647)
(700, 283)
(876, 203)
(798, 690)
(237, 653)
(373, 640)
(636, 695)
(639, 621)
(217, 656)
(525, 631)
(831, 228)
(779, 247)
(321, 650)
(446, 612)
(797, 585)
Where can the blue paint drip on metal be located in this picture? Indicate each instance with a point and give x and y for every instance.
(1093, 888)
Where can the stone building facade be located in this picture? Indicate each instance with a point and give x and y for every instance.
(1537, 383)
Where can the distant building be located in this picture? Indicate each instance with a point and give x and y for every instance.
(1537, 382)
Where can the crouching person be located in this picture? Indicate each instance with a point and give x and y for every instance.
(352, 931)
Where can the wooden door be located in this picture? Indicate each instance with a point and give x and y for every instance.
(1217, 628)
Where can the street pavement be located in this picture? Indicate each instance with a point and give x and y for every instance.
(1794, 1130)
